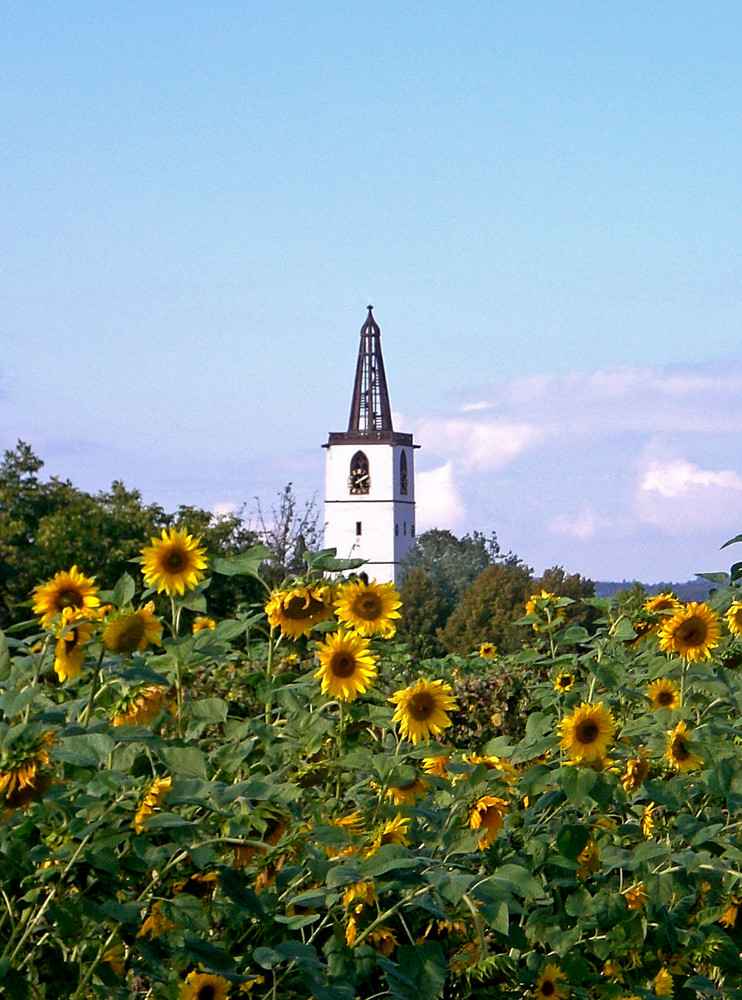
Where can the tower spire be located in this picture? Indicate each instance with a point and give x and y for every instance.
(370, 410)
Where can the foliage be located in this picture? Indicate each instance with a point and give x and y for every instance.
(489, 608)
(287, 531)
(242, 829)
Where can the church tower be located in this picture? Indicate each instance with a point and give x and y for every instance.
(370, 480)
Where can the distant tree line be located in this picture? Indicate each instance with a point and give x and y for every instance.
(460, 592)
(48, 525)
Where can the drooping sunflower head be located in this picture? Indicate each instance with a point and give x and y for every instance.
(71, 590)
(126, 632)
(141, 706)
(298, 609)
(662, 985)
(174, 562)
(664, 693)
(551, 983)
(678, 753)
(564, 682)
(422, 710)
(153, 799)
(637, 769)
(488, 815)
(69, 652)
(21, 780)
(487, 650)
(405, 795)
(437, 765)
(546, 607)
(202, 623)
(733, 618)
(369, 608)
(347, 665)
(204, 986)
(636, 896)
(588, 733)
(692, 632)
(393, 831)
(662, 604)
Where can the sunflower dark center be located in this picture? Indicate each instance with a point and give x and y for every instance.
(692, 632)
(421, 706)
(70, 641)
(175, 561)
(343, 664)
(547, 988)
(679, 749)
(587, 731)
(126, 633)
(206, 992)
(298, 607)
(665, 698)
(368, 607)
(70, 599)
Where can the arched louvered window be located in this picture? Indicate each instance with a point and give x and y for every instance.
(403, 476)
(359, 480)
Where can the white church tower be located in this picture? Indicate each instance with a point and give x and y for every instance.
(370, 481)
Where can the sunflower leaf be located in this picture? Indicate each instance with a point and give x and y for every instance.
(245, 564)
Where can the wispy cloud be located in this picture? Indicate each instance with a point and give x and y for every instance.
(674, 479)
(437, 499)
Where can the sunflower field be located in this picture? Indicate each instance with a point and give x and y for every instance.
(287, 805)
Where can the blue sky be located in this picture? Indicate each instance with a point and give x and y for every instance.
(541, 200)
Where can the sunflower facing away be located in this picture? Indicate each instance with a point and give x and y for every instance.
(69, 651)
(297, 610)
(549, 985)
(733, 618)
(663, 693)
(405, 795)
(173, 563)
(65, 590)
(369, 608)
(422, 710)
(394, 831)
(152, 801)
(637, 769)
(488, 816)
(588, 733)
(126, 632)
(141, 706)
(677, 753)
(347, 665)
(20, 781)
(204, 986)
(692, 632)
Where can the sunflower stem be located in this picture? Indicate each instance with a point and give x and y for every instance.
(683, 673)
(269, 676)
(340, 734)
(93, 689)
(37, 672)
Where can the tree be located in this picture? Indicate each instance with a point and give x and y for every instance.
(287, 531)
(489, 608)
(424, 612)
(555, 581)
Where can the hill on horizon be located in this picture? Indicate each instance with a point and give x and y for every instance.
(690, 590)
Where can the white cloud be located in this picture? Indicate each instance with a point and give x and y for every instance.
(584, 526)
(437, 499)
(227, 507)
(476, 445)
(673, 479)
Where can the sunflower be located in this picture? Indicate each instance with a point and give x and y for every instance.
(296, 610)
(661, 603)
(564, 682)
(151, 802)
(729, 916)
(588, 859)
(588, 733)
(663, 693)
(141, 706)
(20, 781)
(126, 632)
(173, 563)
(347, 665)
(156, 922)
(369, 607)
(437, 765)
(637, 769)
(204, 986)
(488, 815)
(405, 795)
(508, 771)
(394, 831)
(65, 590)
(69, 651)
(422, 709)
(692, 632)
(636, 897)
(201, 623)
(662, 984)
(677, 753)
(383, 941)
(549, 983)
(487, 650)
(114, 957)
(733, 618)
(649, 819)
(545, 606)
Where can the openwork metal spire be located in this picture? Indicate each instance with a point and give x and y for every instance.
(370, 410)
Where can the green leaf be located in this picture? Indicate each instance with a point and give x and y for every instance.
(124, 590)
(188, 762)
(4, 657)
(194, 601)
(326, 561)
(86, 750)
(520, 880)
(245, 564)
(210, 710)
(732, 541)
(571, 840)
(209, 955)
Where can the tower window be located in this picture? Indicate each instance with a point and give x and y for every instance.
(358, 528)
(403, 477)
(405, 528)
(359, 481)
(396, 531)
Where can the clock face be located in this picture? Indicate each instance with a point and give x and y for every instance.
(359, 481)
